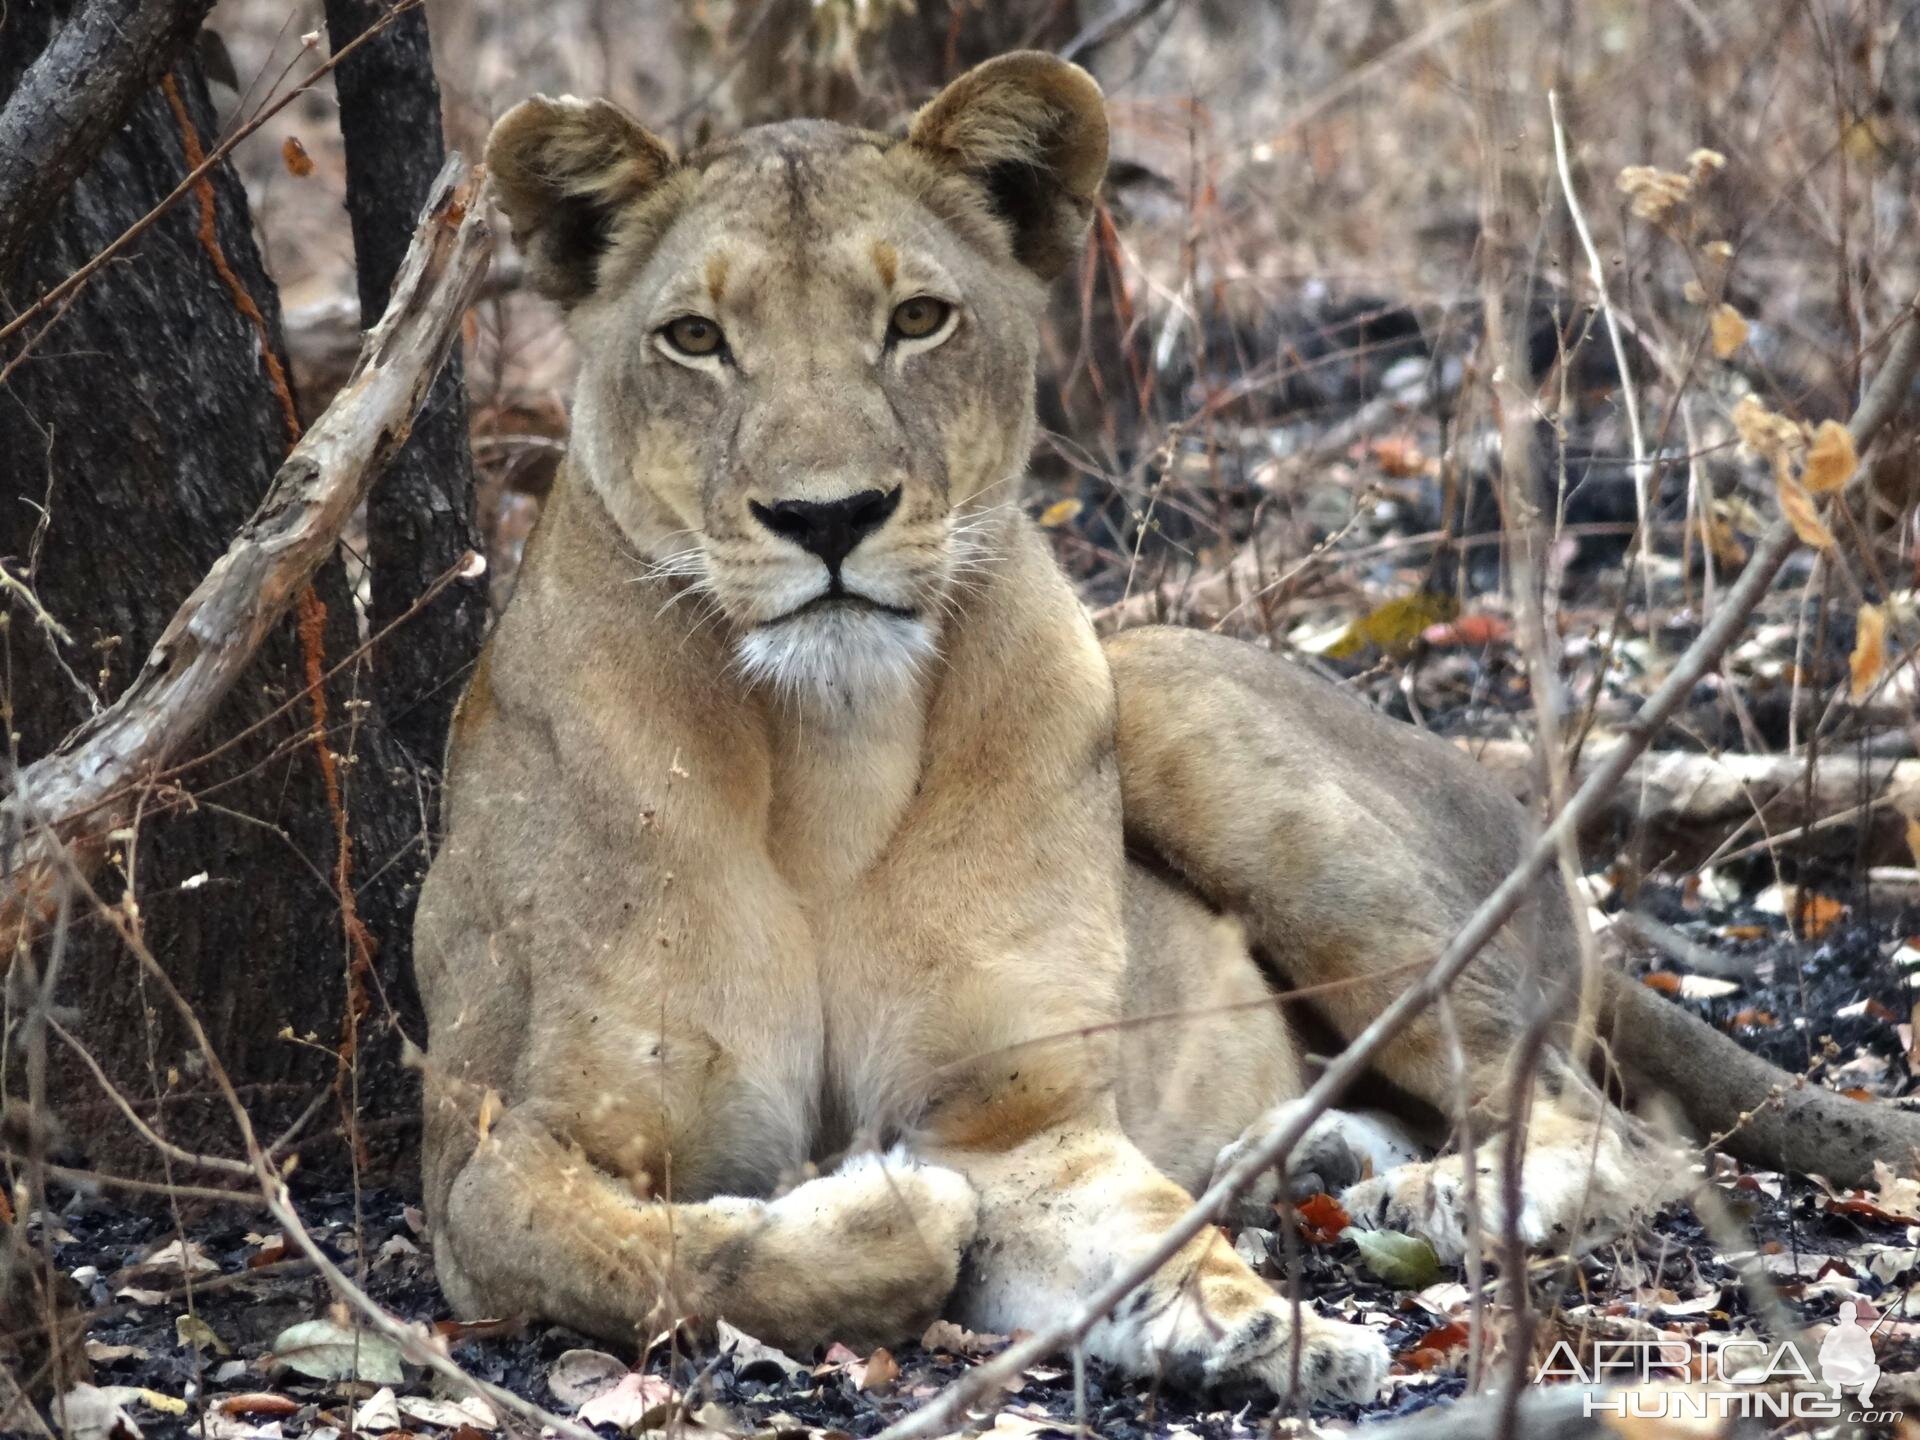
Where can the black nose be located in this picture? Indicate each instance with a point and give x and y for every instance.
(829, 528)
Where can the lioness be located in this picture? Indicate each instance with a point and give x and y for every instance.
(796, 812)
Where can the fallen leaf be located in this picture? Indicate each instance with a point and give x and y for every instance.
(629, 1403)
(579, 1375)
(101, 1353)
(955, 1340)
(1797, 505)
(1729, 330)
(258, 1402)
(1815, 914)
(327, 1351)
(380, 1413)
(1472, 632)
(1404, 1261)
(1665, 981)
(272, 1251)
(1705, 987)
(1831, 459)
(753, 1359)
(298, 162)
(177, 1257)
(1322, 1221)
(87, 1412)
(1752, 1019)
(449, 1414)
(1869, 658)
(196, 1334)
(877, 1372)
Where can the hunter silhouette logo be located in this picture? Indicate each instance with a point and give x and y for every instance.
(1846, 1357)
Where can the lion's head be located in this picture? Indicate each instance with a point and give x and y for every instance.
(807, 353)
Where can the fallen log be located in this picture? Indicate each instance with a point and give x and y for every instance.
(76, 797)
(1688, 807)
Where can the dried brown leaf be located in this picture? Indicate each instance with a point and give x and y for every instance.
(1831, 460)
(1797, 505)
(1729, 330)
(1868, 662)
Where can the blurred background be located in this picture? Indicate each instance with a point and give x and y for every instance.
(1268, 392)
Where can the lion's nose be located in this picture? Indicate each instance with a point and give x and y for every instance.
(829, 528)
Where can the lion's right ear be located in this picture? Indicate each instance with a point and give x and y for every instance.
(562, 171)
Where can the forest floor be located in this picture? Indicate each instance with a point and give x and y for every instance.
(190, 1310)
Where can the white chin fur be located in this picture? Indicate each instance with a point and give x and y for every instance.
(838, 659)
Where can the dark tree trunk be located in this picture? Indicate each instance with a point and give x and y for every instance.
(135, 438)
(420, 521)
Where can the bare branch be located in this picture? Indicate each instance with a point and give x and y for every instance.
(74, 97)
(57, 800)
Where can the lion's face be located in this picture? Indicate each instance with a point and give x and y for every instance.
(808, 353)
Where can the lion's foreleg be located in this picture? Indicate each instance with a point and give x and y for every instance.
(865, 1255)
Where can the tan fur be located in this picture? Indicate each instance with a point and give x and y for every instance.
(738, 881)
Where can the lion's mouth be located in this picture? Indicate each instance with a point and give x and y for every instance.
(838, 597)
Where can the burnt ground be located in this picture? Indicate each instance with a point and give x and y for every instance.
(1675, 1279)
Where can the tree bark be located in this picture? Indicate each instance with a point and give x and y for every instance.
(136, 438)
(420, 518)
(75, 95)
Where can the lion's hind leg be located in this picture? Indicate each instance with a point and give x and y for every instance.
(1587, 1173)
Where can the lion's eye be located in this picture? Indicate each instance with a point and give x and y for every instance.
(694, 335)
(919, 317)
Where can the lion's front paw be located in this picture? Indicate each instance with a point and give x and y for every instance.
(880, 1240)
(1340, 1148)
(1426, 1200)
(1336, 1361)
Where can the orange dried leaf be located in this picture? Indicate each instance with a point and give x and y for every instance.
(1472, 631)
(1815, 914)
(1322, 1219)
(1831, 459)
(1752, 1019)
(1729, 330)
(1059, 513)
(880, 1371)
(1868, 662)
(298, 162)
(257, 1402)
(1797, 505)
(1398, 456)
(1663, 981)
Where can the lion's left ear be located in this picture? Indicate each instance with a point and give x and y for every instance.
(1032, 130)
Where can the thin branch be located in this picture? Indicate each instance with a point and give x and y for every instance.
(72, 100)
(216, 631)
(1628, 396)
(948, 1409)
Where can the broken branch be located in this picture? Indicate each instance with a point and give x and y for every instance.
(78, 795)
